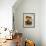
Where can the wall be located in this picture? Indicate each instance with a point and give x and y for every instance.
(28, 6)
(43, 22)
(6, 13)
(6, 16)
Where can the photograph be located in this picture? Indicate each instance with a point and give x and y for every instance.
(29, 20)
(22, 22)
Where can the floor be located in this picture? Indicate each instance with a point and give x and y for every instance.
(9, 43)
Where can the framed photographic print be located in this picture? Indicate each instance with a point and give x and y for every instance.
(29, 20)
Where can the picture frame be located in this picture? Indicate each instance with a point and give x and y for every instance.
(28, 20)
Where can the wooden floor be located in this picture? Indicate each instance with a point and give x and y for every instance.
(9, 43)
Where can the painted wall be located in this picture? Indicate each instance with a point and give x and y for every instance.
(6, 13)
(28, 6)
(43, 22)
(6, 16)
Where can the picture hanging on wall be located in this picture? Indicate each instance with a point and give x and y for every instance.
(29, 20)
